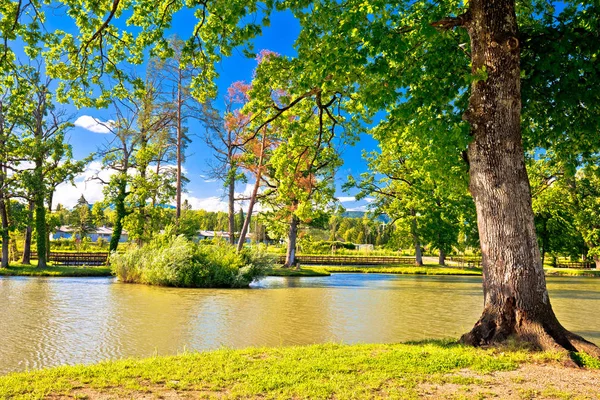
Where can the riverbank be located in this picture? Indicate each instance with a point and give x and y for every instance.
(54, 271)
(434, 369)
(308, 271)
(326, 270)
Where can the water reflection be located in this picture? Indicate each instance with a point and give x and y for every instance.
(52, 321)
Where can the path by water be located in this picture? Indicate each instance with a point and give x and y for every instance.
(52, 321)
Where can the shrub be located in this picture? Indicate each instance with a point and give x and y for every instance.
(176, 261)
(101, 242)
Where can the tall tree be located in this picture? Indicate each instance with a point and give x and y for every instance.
(175, 76)
(224, 135)
(44, 134)
(300, 175)
(389, 56)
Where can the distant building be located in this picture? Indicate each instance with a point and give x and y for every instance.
(364, 247)
(212, 234)
(66, 232)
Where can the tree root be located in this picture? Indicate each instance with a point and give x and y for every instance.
(494, 329)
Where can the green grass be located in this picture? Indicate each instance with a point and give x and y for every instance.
(316, 372)
(413, 270)
(570, 272)
(55, 271)
(304, 271)
(406, 269)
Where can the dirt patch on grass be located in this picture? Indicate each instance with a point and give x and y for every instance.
(531, 381)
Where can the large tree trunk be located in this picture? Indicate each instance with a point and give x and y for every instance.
(597, 261)
(41, 237)
(516, 302)
(179, 148)
(28, 233)
(290, 255)
(416, 239)
(121, 214)
(5, 234)
(442, 257)
(50, 197)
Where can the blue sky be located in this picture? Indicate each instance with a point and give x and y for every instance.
(201, 192)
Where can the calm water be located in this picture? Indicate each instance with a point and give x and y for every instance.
(53, 321)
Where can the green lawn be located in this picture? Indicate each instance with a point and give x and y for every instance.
(62, 271)
(58, 271)
(315, 372)
(407, 269)
(570, 272)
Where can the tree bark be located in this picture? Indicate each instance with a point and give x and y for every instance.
(121, 214)
(416, 239)
(179, 147)
(40, 214)
(252, 201)
(516, 302)
(597, 261)
(50, 197)
(28, 232)
(442, 257)
(5, 233)
(290, 255)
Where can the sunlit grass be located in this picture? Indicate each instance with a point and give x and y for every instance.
(570, 272)
(407, 269)
(317, 371)
(56, 271)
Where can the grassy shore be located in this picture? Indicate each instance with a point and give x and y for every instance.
(570, 272)
(436, 369)
(326, 270)
(323, 270)
(408, 269)
(55, 271)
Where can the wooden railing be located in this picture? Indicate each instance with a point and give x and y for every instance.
(59, 258)
(348, 260)
(575, 264)
(466, 261)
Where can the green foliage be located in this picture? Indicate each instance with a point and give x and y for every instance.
(324, 247)
(170, 260)
(81, 219)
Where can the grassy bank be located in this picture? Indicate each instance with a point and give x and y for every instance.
(571, 272)
(436, 369)
(324, 270)
(58, 271)
(407, 269)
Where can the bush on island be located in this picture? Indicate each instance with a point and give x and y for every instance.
(170, 260)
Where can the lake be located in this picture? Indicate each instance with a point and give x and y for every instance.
(52, 321)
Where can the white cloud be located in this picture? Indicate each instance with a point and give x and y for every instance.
(93, 124)
(359, 208)
(92, 189)
(346, 199)
(67, 194)
(212, 203)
